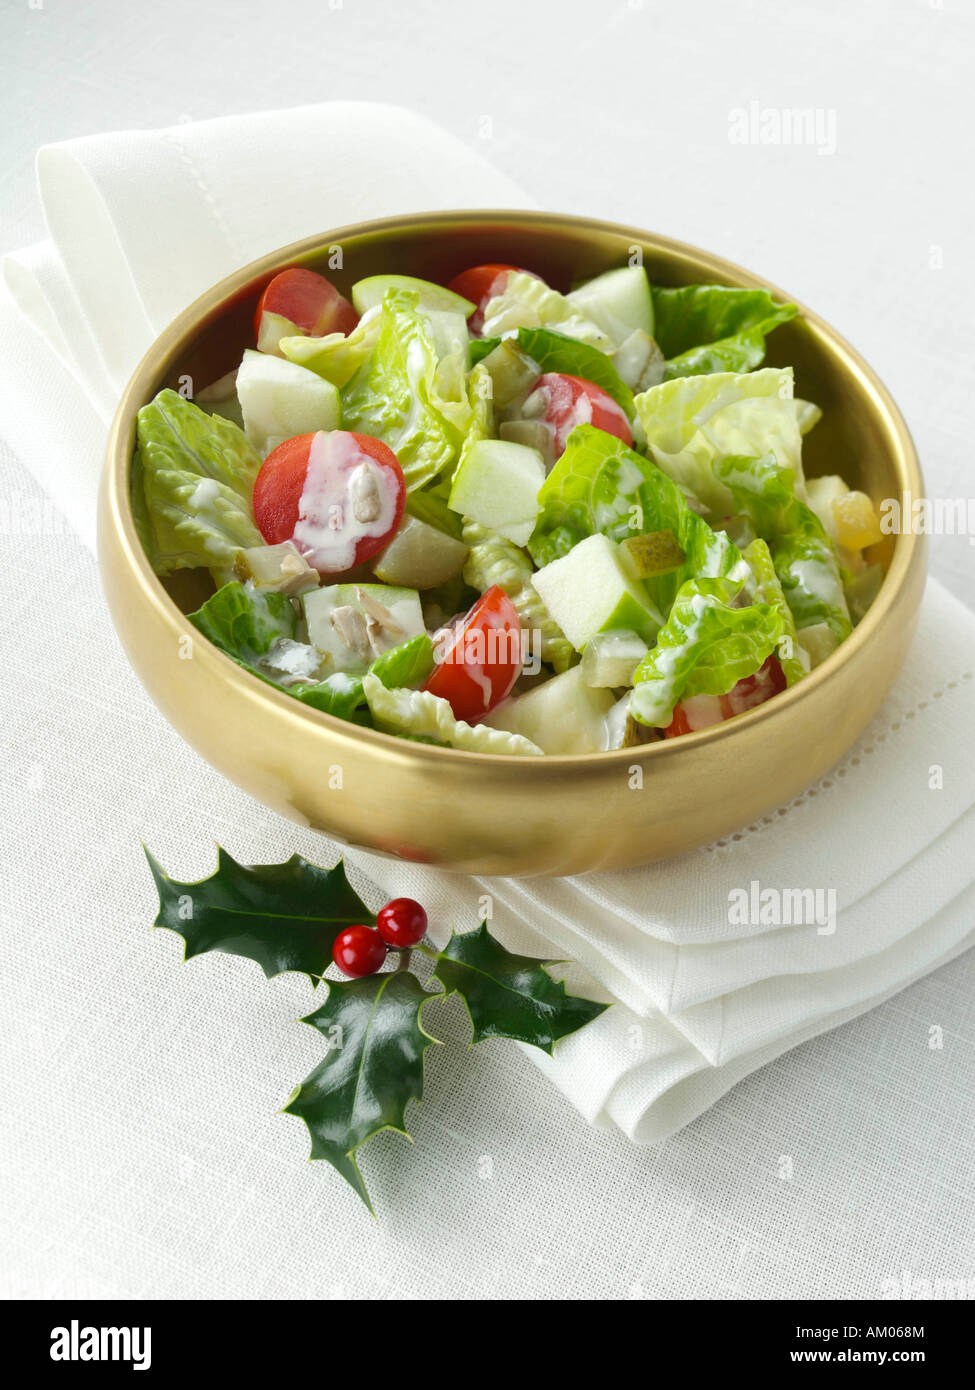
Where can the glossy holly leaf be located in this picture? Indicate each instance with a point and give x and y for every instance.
(509, 996)
(284, 916)
(373, 1067)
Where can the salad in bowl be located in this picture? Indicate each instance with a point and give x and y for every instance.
(495, 517)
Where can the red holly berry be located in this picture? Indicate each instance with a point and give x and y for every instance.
(402, 923)
(358, 951)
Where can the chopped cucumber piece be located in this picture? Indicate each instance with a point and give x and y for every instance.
(512, 373)
(563, 715)
(279, 399)
(352, 624)
(590, 591)
(619, 302)
(610, 658)
(420, 557)
(366, 294)
(497, 485)
(655, 552)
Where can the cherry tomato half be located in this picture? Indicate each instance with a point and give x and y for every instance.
(480, 284)
(561, 402)
(480, 660)
(338, 495)
(701, 711)
(308, 303)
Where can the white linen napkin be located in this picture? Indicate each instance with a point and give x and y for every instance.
(141, 222)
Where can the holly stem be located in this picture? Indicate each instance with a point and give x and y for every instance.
(403, 963)
(427, 951)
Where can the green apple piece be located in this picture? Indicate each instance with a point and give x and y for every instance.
(279, 399)
(366, 294)
(420, 557)
(352, 624)
(655, 552)
(610, 658)
(589, 591)
(497, 485)
(619, 302)
(563, 715)
(281, 567)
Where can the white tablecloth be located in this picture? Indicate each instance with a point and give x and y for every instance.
(827, 1173)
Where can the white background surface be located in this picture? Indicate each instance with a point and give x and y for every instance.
(616, 110)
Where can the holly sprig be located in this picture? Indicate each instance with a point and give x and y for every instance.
(290, 916)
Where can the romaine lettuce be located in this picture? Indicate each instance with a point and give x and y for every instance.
(691, 422)
(494, 560)
(197, 473)
(599, 485)
(247, 625)
(805, 560)
(768, 589)
(418, 714)
(337, 356)
(714, 328)
(527, 302)
(396, 396)
(705, 647)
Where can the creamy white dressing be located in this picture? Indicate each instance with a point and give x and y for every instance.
(204, 494)
(819, 580)
(327, 531)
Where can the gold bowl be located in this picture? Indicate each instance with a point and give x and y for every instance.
(481, 813)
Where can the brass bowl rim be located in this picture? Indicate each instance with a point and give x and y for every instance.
(908, 549)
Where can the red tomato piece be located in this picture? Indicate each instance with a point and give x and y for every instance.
(567, 401)
(702, 711)
(309, 303)
(338, 495)
(480, 284)
(480, 659)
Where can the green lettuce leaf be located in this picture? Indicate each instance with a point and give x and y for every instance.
(496, 560)
(805, 560)
(599, 485)
(408, 664)
(705, 647)
(197, 473)
(714, 328)
(245, 623)
(528, 302)
(337, 356)
(396, 396)
(556, 352)
(480, 347)
(420, 715)
(692, 422)
(480, 424)
(768, 589)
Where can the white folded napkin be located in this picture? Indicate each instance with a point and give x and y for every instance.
(706, 990)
